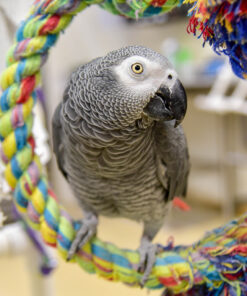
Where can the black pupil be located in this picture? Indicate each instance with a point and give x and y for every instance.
(137, 67)
(169, 76)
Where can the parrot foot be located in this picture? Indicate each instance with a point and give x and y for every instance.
(84, 234)
(147, 252)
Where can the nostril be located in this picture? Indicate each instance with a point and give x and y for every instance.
(169, 76)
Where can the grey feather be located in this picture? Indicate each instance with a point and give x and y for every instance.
(174, 156)
(57, 139)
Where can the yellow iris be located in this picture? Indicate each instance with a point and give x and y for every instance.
(137, 68)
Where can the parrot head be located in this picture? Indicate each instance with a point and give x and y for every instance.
(136, 82)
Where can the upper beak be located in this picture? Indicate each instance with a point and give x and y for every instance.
(168, 104)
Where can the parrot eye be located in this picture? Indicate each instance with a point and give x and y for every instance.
(137, 68)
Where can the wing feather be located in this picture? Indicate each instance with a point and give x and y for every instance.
(173, 158)
(57, 136)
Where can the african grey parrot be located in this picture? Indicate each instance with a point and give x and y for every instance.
(118, 144)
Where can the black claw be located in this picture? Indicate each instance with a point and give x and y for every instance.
(141, 285)
(73, 250)
(68, 258)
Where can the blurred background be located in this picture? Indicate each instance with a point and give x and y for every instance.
(215, 126)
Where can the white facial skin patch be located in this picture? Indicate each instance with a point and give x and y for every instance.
(149, 80)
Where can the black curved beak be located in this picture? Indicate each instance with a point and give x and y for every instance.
(168, 104)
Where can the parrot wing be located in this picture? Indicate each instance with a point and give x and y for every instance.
(57, 131)
(57, 136)
(173, 159)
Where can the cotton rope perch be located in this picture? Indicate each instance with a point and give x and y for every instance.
(216, 265)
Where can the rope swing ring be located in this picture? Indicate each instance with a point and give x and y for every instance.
(215, 265)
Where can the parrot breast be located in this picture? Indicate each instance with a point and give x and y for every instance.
(115, 172)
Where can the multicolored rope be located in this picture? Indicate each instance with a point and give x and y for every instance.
(215, 265)
(223, 24)
(139, 9)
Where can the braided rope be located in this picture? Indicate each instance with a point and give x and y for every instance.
(217, 261)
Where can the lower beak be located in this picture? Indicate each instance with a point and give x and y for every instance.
(168, 104)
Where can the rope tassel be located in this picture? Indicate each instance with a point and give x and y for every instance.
(223, 25)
